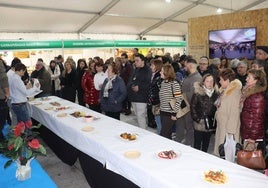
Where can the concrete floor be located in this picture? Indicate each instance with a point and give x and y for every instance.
(66, 176)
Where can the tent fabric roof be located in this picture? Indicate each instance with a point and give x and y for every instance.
(135, 17)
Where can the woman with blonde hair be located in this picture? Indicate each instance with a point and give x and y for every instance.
(68, 81)
(169, 90)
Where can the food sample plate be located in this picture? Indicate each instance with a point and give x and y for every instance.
(45, 98)
(128, 136)
(132, 154)
(62, 115)
(78, 114)
(54, 103)
(48, 108)
(215, 177)
(62, 108)
(36, 103)
(168, 154)
(87, 128)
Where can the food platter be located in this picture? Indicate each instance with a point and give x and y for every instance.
(128, 136)
(45, 98)
(62, 115)
(36, 103)
(87, 128)
(62, 108)
(55, 103)
(78, 114)
(215, 177)
(133, 154)
(168, 154)
(48, 108)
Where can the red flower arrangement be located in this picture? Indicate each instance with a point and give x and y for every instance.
(21, 143)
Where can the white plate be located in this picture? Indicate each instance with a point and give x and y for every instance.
(87, 128)
(62, 115)
(48, 108)
(133, 154)
(160, 156)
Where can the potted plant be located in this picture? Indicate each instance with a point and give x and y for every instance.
(21, 146)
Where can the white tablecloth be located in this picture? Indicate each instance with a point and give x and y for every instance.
(149, 171)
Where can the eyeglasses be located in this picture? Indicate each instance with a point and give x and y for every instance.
(203, 64)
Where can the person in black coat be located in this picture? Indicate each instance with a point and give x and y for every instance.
(81, 66)
(68, 82)
(203, 111)
(154, 101)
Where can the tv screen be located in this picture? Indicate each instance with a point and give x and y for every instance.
(232, 43)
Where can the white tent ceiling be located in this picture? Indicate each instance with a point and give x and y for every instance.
(138, 17)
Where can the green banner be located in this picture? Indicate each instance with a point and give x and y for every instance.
(19, 45)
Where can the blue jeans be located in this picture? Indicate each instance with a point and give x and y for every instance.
(158, 123)
(21, 112)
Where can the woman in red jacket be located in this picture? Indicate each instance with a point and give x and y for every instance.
(252, 115)
(91, 95)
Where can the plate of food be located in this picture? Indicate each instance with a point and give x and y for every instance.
(78, 114)
(215, 177)
(87, 128)
(62, 115)
(128, 136)
(48, 108)
(62, 108)
(168, 154)
(36, 103)
(54, 103)
(132, 154)
(45, 99)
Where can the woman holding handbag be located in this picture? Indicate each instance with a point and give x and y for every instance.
(156, 66)
(253, 110)
(203, 111)
(170, 90)
(228, 108)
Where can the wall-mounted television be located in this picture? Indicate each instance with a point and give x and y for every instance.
(232, 43)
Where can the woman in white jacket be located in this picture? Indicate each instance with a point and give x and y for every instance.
(54, 71)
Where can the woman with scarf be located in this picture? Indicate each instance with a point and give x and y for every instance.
(203, 111)
(113, 93)
(253, 102)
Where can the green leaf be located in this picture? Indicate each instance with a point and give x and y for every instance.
(8, 163)
(42, 150)
(29, 153)
(18, 143)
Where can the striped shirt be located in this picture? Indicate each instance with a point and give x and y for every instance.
(166, 95)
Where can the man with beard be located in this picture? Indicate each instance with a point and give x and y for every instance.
(184, 125)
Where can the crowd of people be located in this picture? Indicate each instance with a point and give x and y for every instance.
(226, 97)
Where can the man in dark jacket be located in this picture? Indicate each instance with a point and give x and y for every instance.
(137, 89)
(43, 77)
(126, 70)
(4, 95)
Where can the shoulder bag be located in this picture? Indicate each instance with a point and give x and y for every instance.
(184, 107)
(251, 159)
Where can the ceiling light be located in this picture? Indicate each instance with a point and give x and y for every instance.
(168, 1)
(219, 10)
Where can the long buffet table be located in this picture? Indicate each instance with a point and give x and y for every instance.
(104, 145)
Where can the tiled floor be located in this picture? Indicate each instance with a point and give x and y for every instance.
(66, 176)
